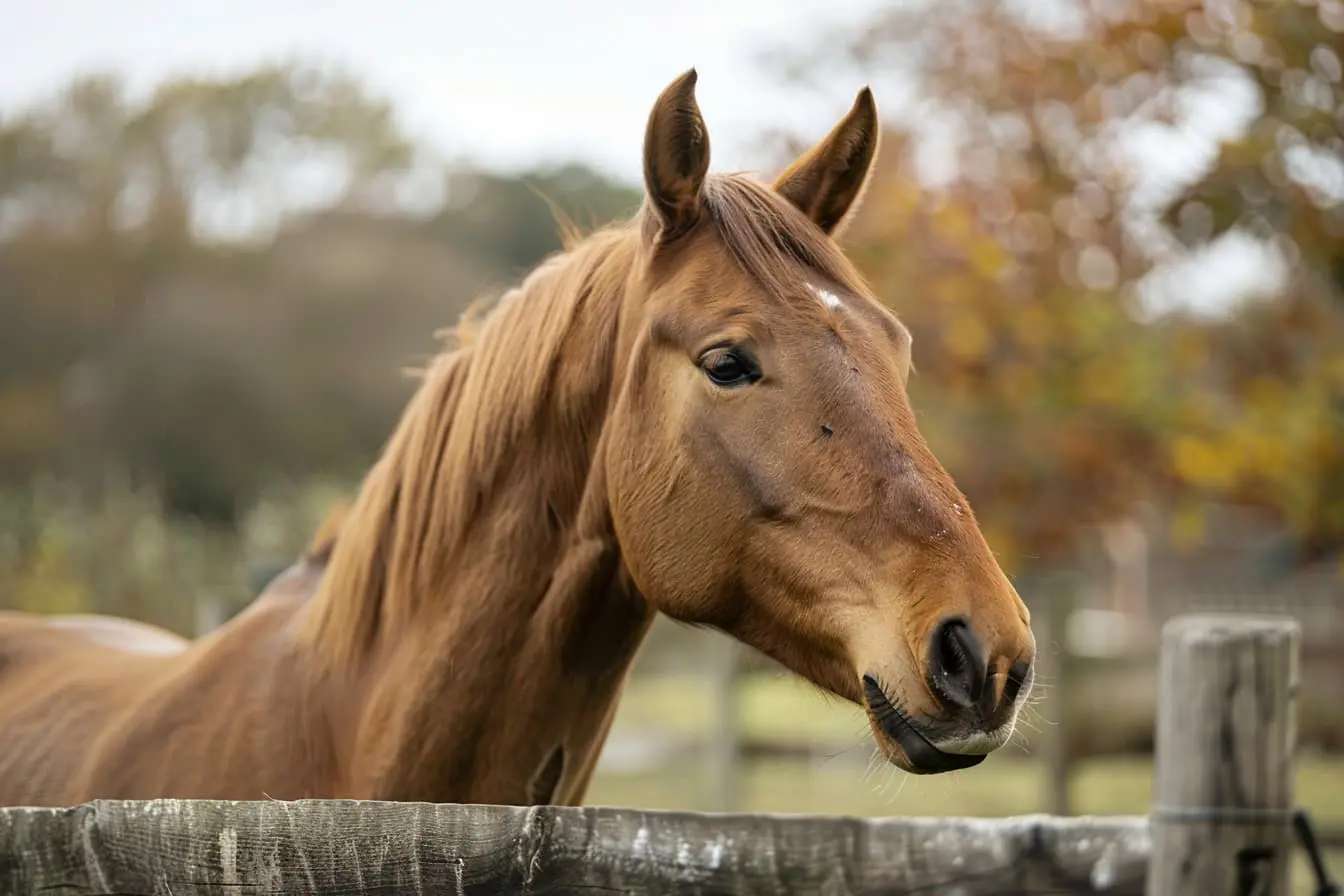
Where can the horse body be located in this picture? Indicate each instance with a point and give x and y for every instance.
(111, 708)
(100, 709)
(699, 412)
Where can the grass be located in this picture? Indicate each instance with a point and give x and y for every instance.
(783, 708)
(779, 707)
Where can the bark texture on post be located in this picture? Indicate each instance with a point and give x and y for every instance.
(1226, 730)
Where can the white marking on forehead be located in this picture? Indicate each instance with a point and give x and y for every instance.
(826, 297)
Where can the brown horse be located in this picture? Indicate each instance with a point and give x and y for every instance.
(701, 411)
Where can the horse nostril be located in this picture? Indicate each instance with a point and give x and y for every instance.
(957, 664)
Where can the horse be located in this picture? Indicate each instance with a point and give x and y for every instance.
(700, 410)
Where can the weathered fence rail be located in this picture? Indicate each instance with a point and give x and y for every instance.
(1224, 783)
(370, 847)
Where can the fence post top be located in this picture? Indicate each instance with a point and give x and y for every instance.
(1226, 626)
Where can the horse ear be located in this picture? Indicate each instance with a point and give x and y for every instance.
(676, 156)
(826, 183)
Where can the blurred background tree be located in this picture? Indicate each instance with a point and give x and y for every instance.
(208, 299)
(1117, 231)
(220, 285)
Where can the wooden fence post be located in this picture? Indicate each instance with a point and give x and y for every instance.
(1226, 730)
(724, 747)
(1060, 592)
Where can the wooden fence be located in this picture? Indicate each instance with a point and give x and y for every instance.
(1220, 824)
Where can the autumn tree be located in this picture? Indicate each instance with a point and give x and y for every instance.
(1065, 204)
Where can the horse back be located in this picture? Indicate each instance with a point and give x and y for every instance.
(96, 706)
(64, 681)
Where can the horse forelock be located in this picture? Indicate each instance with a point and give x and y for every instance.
(771, 240)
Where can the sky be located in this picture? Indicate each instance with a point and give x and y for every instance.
(510, 85)
(505, 84)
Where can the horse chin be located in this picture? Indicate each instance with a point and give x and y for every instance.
(911, 751)
(907, 746)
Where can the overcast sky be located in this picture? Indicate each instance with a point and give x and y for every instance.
(505, 83)
(513, 84)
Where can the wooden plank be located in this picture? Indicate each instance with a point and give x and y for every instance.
(182, 847)
(1225, 739)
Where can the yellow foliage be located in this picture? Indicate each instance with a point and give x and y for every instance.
(1016, 383)
(988, 258)
(966, 335)
(1266, 394)
(1102, 382)
(47, 585)
(1004, 546)
(952, 223)
(1191, 350)
(1273, 459)
(899, 199)
(1033, 326)
(1241, 410)
(1334, 367)
(1204, 463)
(962, 286)
(1187, 527)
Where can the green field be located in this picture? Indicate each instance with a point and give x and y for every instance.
(845, 783)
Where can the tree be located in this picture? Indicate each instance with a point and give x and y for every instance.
(174, 307)
(106, 199)
(1024, 234)
(508, 219)
(199, 156)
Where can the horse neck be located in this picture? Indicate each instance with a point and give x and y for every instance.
(476, 597)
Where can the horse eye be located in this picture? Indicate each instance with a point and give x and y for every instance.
(729, 368)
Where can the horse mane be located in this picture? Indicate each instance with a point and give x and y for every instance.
(319, 548)
(477, 398)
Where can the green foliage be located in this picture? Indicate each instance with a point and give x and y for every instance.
(507, 220)
(135, 339)
(64, 550)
